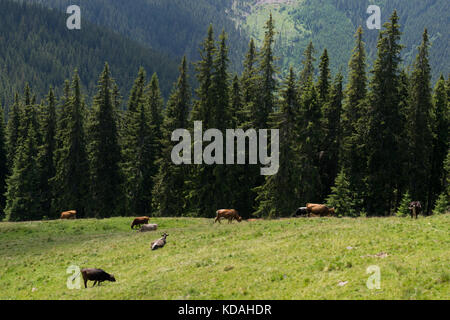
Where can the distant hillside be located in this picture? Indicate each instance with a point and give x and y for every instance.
(37, 47)
(177, 27)
(331, 24)
(174, 26)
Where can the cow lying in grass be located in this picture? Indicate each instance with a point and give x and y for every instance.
(139, 221)
(96, 275)
(72, 214)
(319, 210)
(228, 214)
(148, 227)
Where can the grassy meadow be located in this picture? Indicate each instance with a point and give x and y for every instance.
(316, 258)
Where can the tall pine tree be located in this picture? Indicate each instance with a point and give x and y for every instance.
(23, 192)
(46, 155)
(420, 135)
(12, 131)
(307, 73)
(441, 141)
(169, 186)
(331, 121)
(268, 72)
(105, 153)
(384, 123)
(352, 158)
(278, 196)
(70, 184)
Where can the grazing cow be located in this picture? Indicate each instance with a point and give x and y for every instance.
(148, 227)
(96, 275)
(319, 209)
(302, 211)
(72, 214)
(228, 214)
(161, 242)
(415, 208)
(139, 221)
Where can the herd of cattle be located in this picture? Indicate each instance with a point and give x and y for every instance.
(311, 209)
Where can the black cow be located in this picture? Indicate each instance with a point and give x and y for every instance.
(96, 275)
(301, 212)
(415, 208)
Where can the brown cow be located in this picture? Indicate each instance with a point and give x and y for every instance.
(139, 221)
(72, 214)
(319, 209)
(228, 214)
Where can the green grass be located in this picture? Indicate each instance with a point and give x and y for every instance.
(279, 259)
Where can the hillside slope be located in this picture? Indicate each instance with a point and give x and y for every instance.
(331, 24)
(278, 259)
(178, 26)
(37, 47)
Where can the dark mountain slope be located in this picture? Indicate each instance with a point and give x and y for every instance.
(173, 26)
(37, 47)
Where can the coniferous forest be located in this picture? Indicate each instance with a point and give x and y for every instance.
(366, 146)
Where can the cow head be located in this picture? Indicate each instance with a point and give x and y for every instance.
(239, 218)
(111, 278)
(332, 212)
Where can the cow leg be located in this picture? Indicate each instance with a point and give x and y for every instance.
(85, 283)
(94, 283)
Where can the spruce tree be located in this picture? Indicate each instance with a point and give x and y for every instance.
(223, 192)
(342, 197)
(46, 154)
(250, 81)
(3, 164)
(323, 84)
(420, 123)
(440, 126)
(331, 121)
(384, 123)
(249, 177)
(212, 108)
(403, 209)
(12, 131)
(203, 106)
(238, 176)
(278, 196)
(139, 149)
(352, 157)
(307, 73)
(155, 103)
(268, 72)
(134, 145)
(221, 85)
(169, 189)
(70, 184)
(23, 192)
(310, 133)
(105, 153)
(443, 202)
